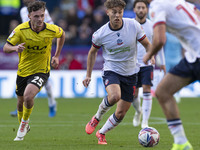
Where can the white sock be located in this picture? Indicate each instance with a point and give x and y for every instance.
(103, 108)
(177, 130)
(146, 106)
(111, 123)
(136, 104)
(51, 99)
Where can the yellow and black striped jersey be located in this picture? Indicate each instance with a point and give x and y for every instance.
(35, 58)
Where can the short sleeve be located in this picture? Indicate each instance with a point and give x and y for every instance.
(14, 37)
(140, 32)
(59, 31)
(157, 13)
(96, 42)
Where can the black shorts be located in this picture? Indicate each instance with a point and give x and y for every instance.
(187, 70)
(127, 83)
(38, 79)
(145, 76)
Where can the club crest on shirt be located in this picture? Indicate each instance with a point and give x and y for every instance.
(46, 39)
(119, 42)
(118, 34)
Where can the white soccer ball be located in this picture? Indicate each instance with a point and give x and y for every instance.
(148, 137)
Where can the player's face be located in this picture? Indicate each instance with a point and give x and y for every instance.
(115, 16)
(140, 10)
(37, 18)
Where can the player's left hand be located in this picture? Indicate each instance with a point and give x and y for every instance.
(55, 62)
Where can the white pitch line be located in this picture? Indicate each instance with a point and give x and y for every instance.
(158, 120)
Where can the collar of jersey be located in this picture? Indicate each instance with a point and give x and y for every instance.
(116, 29)
(33, 30)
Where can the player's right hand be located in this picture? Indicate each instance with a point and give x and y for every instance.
(20, 48)
(86, 82)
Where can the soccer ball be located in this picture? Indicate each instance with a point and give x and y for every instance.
(148, 137)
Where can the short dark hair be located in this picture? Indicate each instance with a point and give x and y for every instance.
(115, 3)
(137, 1)
(35, 6)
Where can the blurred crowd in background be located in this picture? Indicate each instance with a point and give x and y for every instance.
(78, 18)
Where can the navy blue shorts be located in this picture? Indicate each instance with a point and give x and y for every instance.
(187, 70)
(127, 84)
(145, 76)
(38, 79)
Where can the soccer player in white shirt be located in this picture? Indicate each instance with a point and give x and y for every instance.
(145, 75)
(48, 86)
(179, 18)
(118, 39)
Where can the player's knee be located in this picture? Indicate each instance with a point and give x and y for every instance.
(114, 98)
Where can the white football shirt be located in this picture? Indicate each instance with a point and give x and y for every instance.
(120, 46)
(24, 15)
(181, 20)
(141, 51)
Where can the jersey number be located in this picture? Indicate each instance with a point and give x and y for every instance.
(187, 12)
(38, 80)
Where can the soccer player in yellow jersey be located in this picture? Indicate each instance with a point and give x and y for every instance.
(32, 41)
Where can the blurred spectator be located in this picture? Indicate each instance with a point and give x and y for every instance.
(9, 10)
(98, 20)
(72, 18)
(72, 35)
(13, 25)
(69, 62)
(85, 33)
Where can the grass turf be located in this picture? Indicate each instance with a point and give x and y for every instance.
(66, 131)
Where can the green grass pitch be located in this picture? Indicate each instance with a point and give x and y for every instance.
(66, 131)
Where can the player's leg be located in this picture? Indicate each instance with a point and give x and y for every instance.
(114, 95)
(164, 92)
(20, 101)
(138, 110)
(111, 82)
(51, 100)
(33, 85)
(29, 94)
(146, 81)
(146, 105)
(113, 120)
(123, 104)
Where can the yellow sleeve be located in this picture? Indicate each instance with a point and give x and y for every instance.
(14, 37)
(59, 31)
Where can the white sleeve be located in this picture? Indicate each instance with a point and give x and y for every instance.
(140, 32)
(96, 40)
(158, 13)
(160, 57)
(47, 17)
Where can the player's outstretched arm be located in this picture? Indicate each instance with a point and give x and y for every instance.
(159, 39)
(8, 48)
(90, 64)
(60, 43)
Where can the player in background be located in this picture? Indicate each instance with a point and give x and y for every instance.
(118, 39)
(172, 59)
(180, 19)
(145, 75)
(48, 86)
(32, 41)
